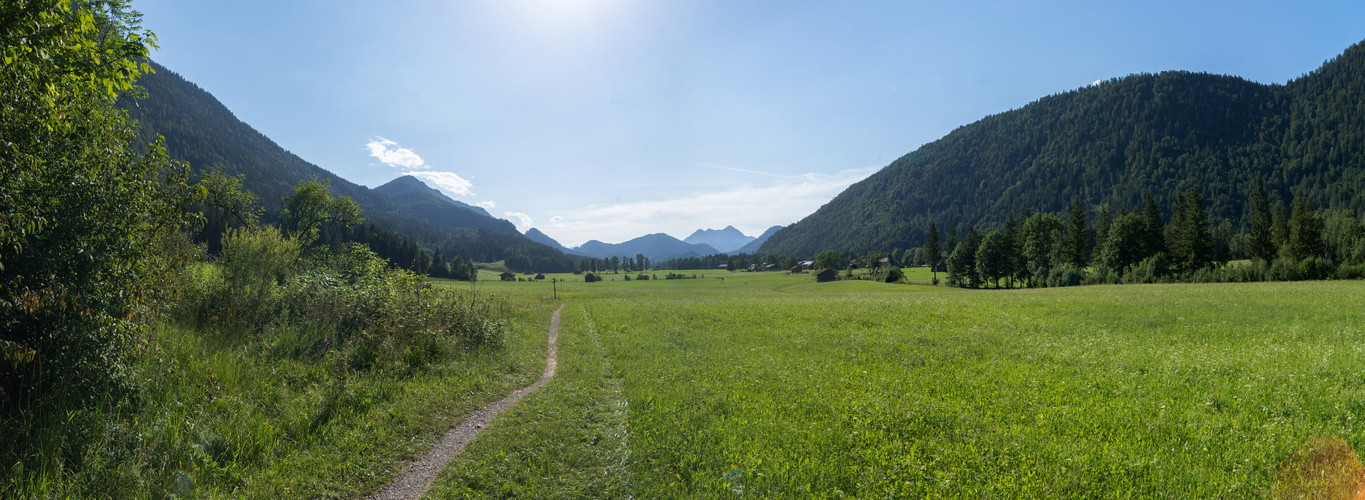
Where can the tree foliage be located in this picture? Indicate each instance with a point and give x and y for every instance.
(1107, 145)
(312, 204)
(1261, 237)
(84, 214)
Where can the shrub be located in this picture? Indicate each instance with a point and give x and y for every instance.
(1350, 271)
(1065, 275)
(1255, 271)
(1283, 269)
(1150, 270)
(1316, 268)
(254, 265)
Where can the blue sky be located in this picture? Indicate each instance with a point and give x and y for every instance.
(610, 119)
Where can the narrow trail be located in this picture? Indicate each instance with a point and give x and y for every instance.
(420, 474)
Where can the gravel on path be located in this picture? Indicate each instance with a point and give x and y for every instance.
(420, 474)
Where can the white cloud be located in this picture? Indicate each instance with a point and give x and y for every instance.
(447, 182)
(525, 220)
(393, 155)
(556, 218)
(486, 204)
(750, 208)
(1096, 82)
(389, 153)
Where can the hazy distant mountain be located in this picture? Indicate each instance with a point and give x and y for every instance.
(657, 247)
(1108, 145)
(535, 235)
(725, 240)
(753, 246)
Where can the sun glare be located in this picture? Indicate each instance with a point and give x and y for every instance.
(571, 18)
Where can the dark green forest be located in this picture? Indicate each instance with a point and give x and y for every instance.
(201, 132)
(1108, 145)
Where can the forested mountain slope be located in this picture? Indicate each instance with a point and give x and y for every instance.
(753, 246)
(201, 131)
(413, 196)
(1108, 145)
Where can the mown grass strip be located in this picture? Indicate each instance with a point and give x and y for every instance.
(567, 440)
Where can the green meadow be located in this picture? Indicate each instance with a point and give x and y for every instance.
(766, 385)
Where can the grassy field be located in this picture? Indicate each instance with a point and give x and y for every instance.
(773, 386)
(229, 416)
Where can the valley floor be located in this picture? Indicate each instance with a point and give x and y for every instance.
(772, 386)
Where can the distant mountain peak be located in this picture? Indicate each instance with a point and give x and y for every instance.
(535, 235)
(408, 183)
(725, 240)
(753, 246)
(655, 246)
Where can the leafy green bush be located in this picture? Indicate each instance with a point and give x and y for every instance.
(1316, 268)
(1150, 270)
(1350, 271)
(1255, 271)
(256, 262)
(1283, 269)
(1065, 275)
(345, 302)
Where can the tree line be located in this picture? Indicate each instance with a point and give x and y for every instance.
(1138, 245)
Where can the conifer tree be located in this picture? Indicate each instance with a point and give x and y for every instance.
(1014, 265)
(1261, 238)
(1154, 241)
(933, 254)
(1279, 225)
(1077, 237)
(1198, 241)
(1101, 233)
(1305, 230)
(1175, 230)
(962, 263)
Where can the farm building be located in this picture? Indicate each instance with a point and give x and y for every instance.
(826, 274)
(507, 276)
(797, 270)
(590, 278)
(540, 276)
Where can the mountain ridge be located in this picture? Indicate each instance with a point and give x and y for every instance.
(407, 181)
(753, 246)
(201, 131)
(1108, 145)
(725, 240)
(655, 246)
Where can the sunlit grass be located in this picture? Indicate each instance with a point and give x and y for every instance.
(778, 387)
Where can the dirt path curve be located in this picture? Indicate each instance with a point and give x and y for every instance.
(420, 474)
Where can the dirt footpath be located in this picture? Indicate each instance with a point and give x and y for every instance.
(420, 474)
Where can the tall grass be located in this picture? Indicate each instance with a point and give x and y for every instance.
(298, 381)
